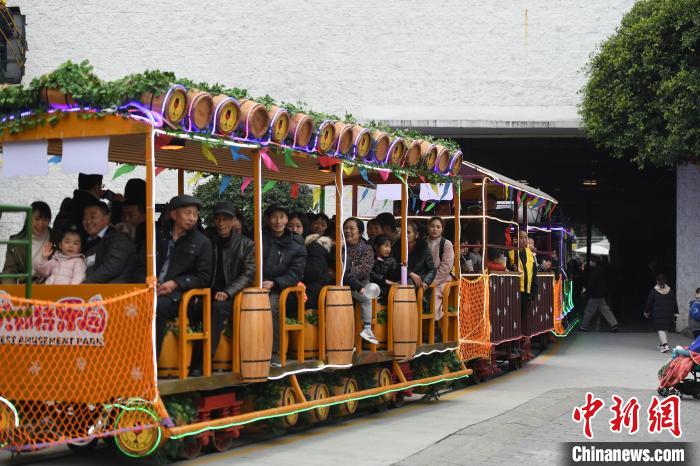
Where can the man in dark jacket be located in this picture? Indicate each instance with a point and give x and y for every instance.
(183, 262)
(234, 264)
(110, 255)
(595, 291)
(70, 216)
(284, 260)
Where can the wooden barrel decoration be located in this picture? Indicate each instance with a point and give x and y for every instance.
(456, 163)
(442, 161)
(227, 115)
(428, 154)
(362, 141)
(381, 147)
(54, 98)
(344, 386)
(172, 105)
(343, 138)
(168, 362)
(325, 136)
(397, 152)
(256, 335)
(255, 119)
(200, 109)
(405, 322)
(301, 128)
(279, 123)
(222, 357)
(340, 326)
(413, 154)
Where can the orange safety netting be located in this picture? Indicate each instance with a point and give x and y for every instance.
(474, 322)
(558, 302)
(68, 367)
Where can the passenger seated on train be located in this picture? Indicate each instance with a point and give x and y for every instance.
(183, 262)
(373, 230)
(65, 266)
(284, 260)
(443, 257)
(470, 260)
(70, 215)
(386, 270)
(387, 222)
(421, 268)
(546, 264)
(361, 258)
(318, 270)
(320, 224)
(110, 255)
(297, 224)
(234, 265)
(16, 254)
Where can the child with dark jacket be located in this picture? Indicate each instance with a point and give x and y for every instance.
(386, 270)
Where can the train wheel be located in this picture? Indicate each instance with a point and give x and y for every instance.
(287, 398)
(399, 400)
(221, 440)
(382, 378)
(319, 391)
(139, 432)
(84, 446)
(190, 449)
(347, 385)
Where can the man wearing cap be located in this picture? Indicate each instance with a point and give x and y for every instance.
(234, 264)
(183, 262)
(284, 260)
(70, 216)
(110, 255)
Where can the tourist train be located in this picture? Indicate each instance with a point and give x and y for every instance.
(80, 360)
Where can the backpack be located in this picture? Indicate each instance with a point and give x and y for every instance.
(694, 312)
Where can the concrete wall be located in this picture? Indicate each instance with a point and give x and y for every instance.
(447, 63)
(687, 238)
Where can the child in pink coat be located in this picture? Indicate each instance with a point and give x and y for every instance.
(66, 266)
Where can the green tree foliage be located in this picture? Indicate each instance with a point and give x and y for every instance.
(642, 98)
(208, 193)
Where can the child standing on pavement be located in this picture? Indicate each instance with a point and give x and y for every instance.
(67, 265)
(661, 307)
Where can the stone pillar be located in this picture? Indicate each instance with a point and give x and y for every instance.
(687, 238)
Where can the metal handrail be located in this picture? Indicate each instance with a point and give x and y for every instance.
(27, 241)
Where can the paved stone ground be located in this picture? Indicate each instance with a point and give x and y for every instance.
(532, 433)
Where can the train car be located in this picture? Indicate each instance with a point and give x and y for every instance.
(495, 326)
(553, 245)
(80, 360)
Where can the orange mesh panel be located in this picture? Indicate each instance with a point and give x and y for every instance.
(65, 363)
(558, 301)
(474, 324)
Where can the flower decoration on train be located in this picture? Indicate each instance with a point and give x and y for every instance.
(223, 114)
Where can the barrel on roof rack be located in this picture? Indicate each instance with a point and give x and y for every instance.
(442, 160)
(325, 136)
(343, 137)
(200, 109)
(301, 128)
(413, 154)
(227, 115)
(456, 163)
(172, 105)
(279, 123)
(55, 98)
(428, 153)
(381, 146)
(397, 151)
(362, 141)
(256, 120)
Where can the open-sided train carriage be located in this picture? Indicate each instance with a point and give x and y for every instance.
(79, 360)
(492, 328)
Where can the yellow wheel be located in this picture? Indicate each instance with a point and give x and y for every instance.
(319, 391)
(383, 378)
(9, 421)
(347, 385)
(287, 398)
(139, 432)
